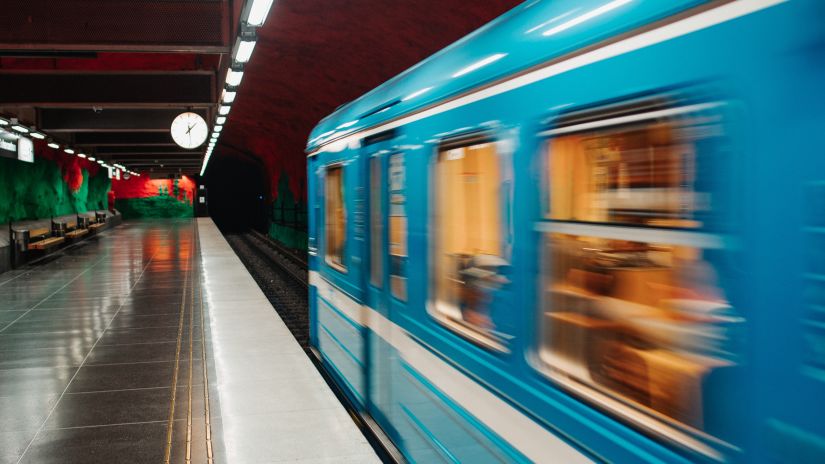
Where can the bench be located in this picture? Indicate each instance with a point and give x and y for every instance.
(77, 233)
(41, 239)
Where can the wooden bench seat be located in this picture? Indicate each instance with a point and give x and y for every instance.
(96, 226)
(46, 243)
(77, 233)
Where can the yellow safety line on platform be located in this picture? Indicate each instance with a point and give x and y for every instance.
(170, 425)
(189, 389)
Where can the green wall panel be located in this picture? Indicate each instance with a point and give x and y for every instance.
(289, 217)
(38, 191)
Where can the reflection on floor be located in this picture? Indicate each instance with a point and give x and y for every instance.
(103, 354)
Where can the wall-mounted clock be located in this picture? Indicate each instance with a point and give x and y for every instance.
(189, 130)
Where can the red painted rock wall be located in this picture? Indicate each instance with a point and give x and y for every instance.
(144, 187)
(314, 55)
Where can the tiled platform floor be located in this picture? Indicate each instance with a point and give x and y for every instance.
(103, 354)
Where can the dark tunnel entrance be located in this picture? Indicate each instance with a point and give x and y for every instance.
(238, 194)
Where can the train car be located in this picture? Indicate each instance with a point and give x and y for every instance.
(593, 230)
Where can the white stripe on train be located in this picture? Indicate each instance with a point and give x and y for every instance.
(524, 434)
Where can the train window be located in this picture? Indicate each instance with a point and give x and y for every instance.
(398, 227)
(376, 224)
(336, 218)
(469, 263)
(634, 316)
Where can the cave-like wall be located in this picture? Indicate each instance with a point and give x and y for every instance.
(314, 55)
(142, 197)
(56, 184)
(289, 216)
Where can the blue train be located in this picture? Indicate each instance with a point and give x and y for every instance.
(593, 230)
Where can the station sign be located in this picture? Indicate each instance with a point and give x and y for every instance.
(16, 147)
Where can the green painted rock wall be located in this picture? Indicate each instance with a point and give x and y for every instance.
(38, 190)
(289, 225)
(166, 204)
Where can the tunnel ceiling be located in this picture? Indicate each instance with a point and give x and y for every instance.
(108, 76)
(314, 55)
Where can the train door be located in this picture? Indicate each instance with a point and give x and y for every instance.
(382, 180)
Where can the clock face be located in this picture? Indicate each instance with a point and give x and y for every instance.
(189, 130)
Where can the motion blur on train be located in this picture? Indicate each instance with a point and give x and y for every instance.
(592, 230)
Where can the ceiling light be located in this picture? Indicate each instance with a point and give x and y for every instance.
(100, 162)
(92, 158)
(218, 128)
(221, 120)
(224, 110)
(480, 64)
(3, 122)
(256, 11)
(229, 96)
(234, 76)
(244, 46)
(21, 129)
(54, 145)
(38, 135)
(83, 155)
(69, 151)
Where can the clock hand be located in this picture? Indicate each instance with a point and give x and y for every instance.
(189, 130)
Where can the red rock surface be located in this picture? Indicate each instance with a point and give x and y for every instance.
(144, 187)
(314, 55)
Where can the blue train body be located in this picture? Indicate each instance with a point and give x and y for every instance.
(591, 231)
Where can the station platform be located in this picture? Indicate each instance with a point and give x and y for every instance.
(152, 343)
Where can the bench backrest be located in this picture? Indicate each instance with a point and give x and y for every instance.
(38, 232)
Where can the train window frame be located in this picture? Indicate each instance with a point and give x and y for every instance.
(489, 341)
(398, 283)
(328, 258)
(377, 178)
(612, 118)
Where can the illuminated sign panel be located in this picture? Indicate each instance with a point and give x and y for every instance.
(8, 144)
(16, 147)
(25, 150)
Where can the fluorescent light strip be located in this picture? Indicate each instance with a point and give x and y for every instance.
(258, 12)
(234, 78)
(221, 120)
(3, 122)
(38, 136)
(244, 50)
(69, 151)
(224, 110)
(21, 129)
(691, 24)
(54, 145)
(92, 158)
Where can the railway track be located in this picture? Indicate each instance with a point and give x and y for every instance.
(281, 274)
